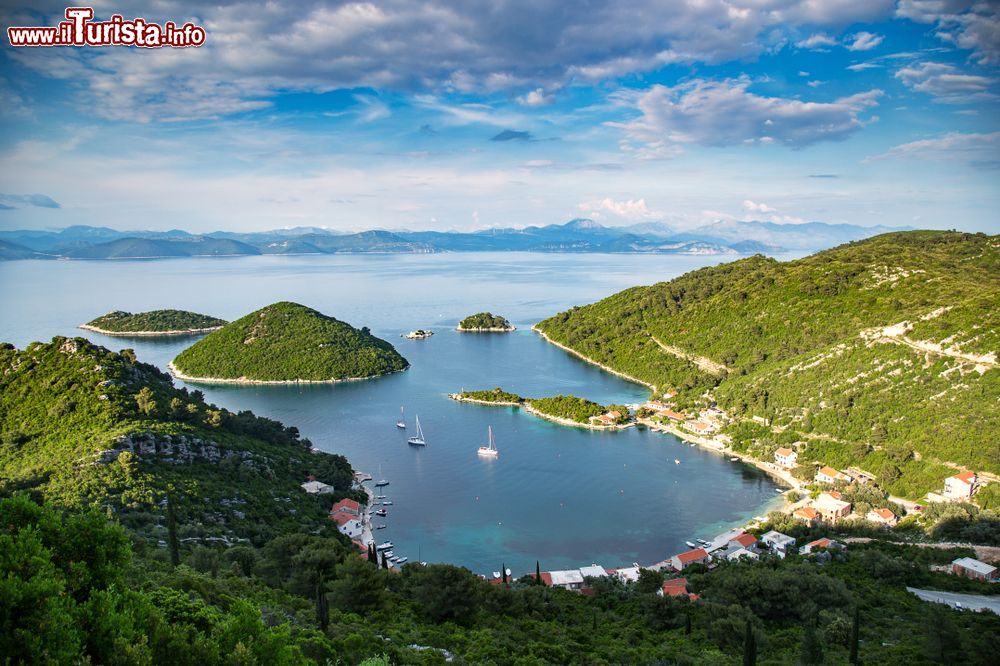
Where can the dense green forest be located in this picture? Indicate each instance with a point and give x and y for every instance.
(484, 321)
(155, 320)
(561, 406)
(141, 525)
(288, 342)
(880, 353)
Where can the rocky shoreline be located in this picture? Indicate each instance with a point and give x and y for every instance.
(177, 374)
(150, 334)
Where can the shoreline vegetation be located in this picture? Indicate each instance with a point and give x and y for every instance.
(149, 334)
(178, 374)
(154, 323)
(485, 322)
(582, 357)
(500, 398)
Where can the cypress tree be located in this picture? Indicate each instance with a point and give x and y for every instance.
(855, 636)
(749, 647)
(385, 562)
(687, 623)
(172, 541)
(322, 605)
(812, 650)
(538, 573)
(371, 554)
(503, 572)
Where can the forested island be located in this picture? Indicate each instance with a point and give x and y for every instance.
(565, 409)
(287, 343)
(140, 524)
(485, 322)
(154, 323)
(880, 354)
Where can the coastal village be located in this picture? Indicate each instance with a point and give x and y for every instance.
(816, 501)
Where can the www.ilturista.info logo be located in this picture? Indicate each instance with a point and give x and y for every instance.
(79, 29)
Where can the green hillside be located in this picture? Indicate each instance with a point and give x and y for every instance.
(289, 342)
(140, 525)
(820, 347)
(81, 426)
(154, 321)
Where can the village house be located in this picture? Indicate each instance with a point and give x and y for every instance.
(670, 393)
(700, 427)
(314, 487)
(745, 540)
(808, 514)
(827, 544)
(961, 486)
(593, 571)
(882, 516)
(626, 574)
(346, 506)
(831, 506)
(676, 587)
(570, 579)
(347, 524)
(786, 458)
(603, 419)
(683, 560)
(971, 568)
(830, 475)
(656, 405)
(860, 475)
(778, 543)
(677, 417)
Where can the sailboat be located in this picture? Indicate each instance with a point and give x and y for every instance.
(381, 482)
(401, 423)
(490, 450)
(418, 439)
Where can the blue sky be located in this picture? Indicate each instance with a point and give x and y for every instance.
(441, 115)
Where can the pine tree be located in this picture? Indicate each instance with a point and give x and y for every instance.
(855, 636)
(749, 647)
(172, 541)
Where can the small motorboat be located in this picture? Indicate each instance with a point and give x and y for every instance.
(381, 512)
(690, 544)
(676, 461)
(386, 502)
(385, 545)
(401, 560)
(381, 527)
(734, 459)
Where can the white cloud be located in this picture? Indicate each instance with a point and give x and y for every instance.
(632, 209)
(945, 83)
(862, 66)
(817, 41)
(975, 149)
(968, 24)
(537, 97)
(258, 49)
(864, 41)
(721, 113)
(758, 207)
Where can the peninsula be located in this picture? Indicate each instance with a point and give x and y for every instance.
(485, 322)
(154, 323)
(568, 410)
(287, 343)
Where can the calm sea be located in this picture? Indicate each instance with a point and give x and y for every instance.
(563, 496)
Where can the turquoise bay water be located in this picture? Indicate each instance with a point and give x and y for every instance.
(564, 496)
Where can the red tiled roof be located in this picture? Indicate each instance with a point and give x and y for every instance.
(834, 494)
(346, 504)
(783, 452)
(671, 414)
(342, 518)
(691, 555)
(885, 513)
(675, 587)
(546, 578)
(819, 543)
(745, 540)
(614, 414)
(807, 512)
(831, 472)
(966, 477)
(360, 546)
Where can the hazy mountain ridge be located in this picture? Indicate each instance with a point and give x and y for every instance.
(578, 235)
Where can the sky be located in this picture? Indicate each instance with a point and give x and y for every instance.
(467, 115)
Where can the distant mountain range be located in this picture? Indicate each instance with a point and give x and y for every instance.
(580, 235)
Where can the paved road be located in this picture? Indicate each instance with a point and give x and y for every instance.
(967, 601)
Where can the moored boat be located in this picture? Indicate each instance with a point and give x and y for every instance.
(490, 450)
